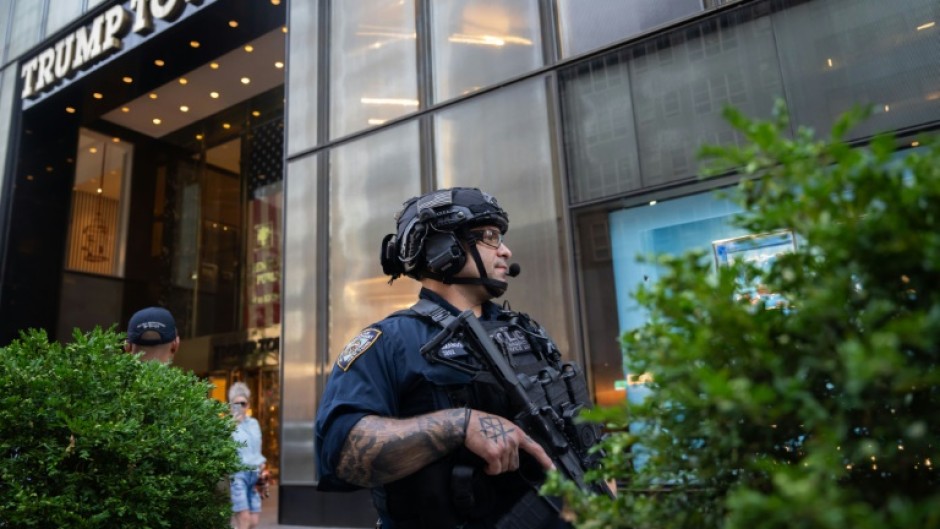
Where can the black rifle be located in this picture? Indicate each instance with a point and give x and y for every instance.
(565, 442)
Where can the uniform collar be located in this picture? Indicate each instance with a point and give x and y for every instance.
(490, 309)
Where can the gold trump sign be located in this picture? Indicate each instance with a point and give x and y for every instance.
(94, 42)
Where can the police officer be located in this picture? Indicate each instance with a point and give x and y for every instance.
(426, 433)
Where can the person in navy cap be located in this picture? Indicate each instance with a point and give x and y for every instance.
(152, 331)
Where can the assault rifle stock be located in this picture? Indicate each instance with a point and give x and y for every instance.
(564, 442)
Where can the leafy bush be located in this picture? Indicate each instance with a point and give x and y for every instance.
(822, 415)
(92, 437)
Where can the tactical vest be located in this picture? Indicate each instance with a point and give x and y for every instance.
(454, 490)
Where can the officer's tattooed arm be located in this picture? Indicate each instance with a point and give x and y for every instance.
(379, 450)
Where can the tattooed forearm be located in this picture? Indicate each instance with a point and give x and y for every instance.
(379, 450)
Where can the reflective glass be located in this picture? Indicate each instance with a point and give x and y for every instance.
(7, 93)
(476, 43)
(370, 178)
(590, 25)
(302, 76)
(844, 53)
(303, 370)
(61, 12)
(373, 72)
(500, 143)
(24, 26)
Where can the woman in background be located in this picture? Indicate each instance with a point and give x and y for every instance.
(246, 501)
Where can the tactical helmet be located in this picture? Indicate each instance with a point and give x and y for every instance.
(430, 229)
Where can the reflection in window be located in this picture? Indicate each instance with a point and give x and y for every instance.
(373, 64)
(849, 52)
(477, 43)
(98, 218)
(302, 75)
(369, 180)
(27, 18)
(500, 143)
(636, 118)
(590, 25)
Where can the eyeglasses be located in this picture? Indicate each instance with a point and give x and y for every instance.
(241, 403)
(488, 236)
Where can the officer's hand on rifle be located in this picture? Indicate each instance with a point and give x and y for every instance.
(497, 441)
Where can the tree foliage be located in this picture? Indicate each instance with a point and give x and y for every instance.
(92, 437)
(822, 414)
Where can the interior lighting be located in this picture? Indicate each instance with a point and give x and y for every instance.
(100, 190)
(226, 126)
(184, 108)
(128, 79)
(249, 48)
(125, 109)
(829, 62)
(233, 23)
(928, 25)
(255, 113)
(194, 43)
(159, 62)
(199, 136)
(915, 143)
(214, 65)
(70, 110)
(93, 150)
(183, 80)
(389, 101)
(246, 80)
(275, 2)
(97, 95)
(652, 202)
(214, 95)
(29, 177)
(278, 64)
(116, 139)
(887, 108)
(153, 95)
(283, 29)
(157, 121)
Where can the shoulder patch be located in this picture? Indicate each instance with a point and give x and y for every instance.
(356, 347)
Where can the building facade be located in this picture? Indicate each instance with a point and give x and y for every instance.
(239, 161)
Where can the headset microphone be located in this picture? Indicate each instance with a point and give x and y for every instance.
(514, 270)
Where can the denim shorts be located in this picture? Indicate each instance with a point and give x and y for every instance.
(245, 496)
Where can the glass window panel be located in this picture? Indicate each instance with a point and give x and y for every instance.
(849, 52)
(682, 81)
(372, 64)
(302, 76)
(301, 364)
(93, 3)
(476, 43)
(590, 25)
(23, 26)
(7, 93)
(369, 180)
(500, 143)
(600, 137)
(61, 12)
(5, 6)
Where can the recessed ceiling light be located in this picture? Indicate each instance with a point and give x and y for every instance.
(157, 121)
(70, 110)
(100, 190)
(249, 48)
(97, 95)
(284, 29)
(153, 95)
(194, 43)
(246, 80)
(183, 80)
(184, 108)
(214, 65)
(278, 64)
(93, 150)
(128, 79)
(159, 62)
(125, 109)
(226, 126)
(116, 139)
(255, 113)
(199, 136)
(233, 23)
(276, 2)
(214, 95)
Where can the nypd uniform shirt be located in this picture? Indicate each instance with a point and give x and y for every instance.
(381, 372)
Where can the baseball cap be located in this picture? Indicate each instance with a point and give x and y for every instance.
(151, 326)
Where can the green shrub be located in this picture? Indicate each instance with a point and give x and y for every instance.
(823, 415)
(92, 437)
